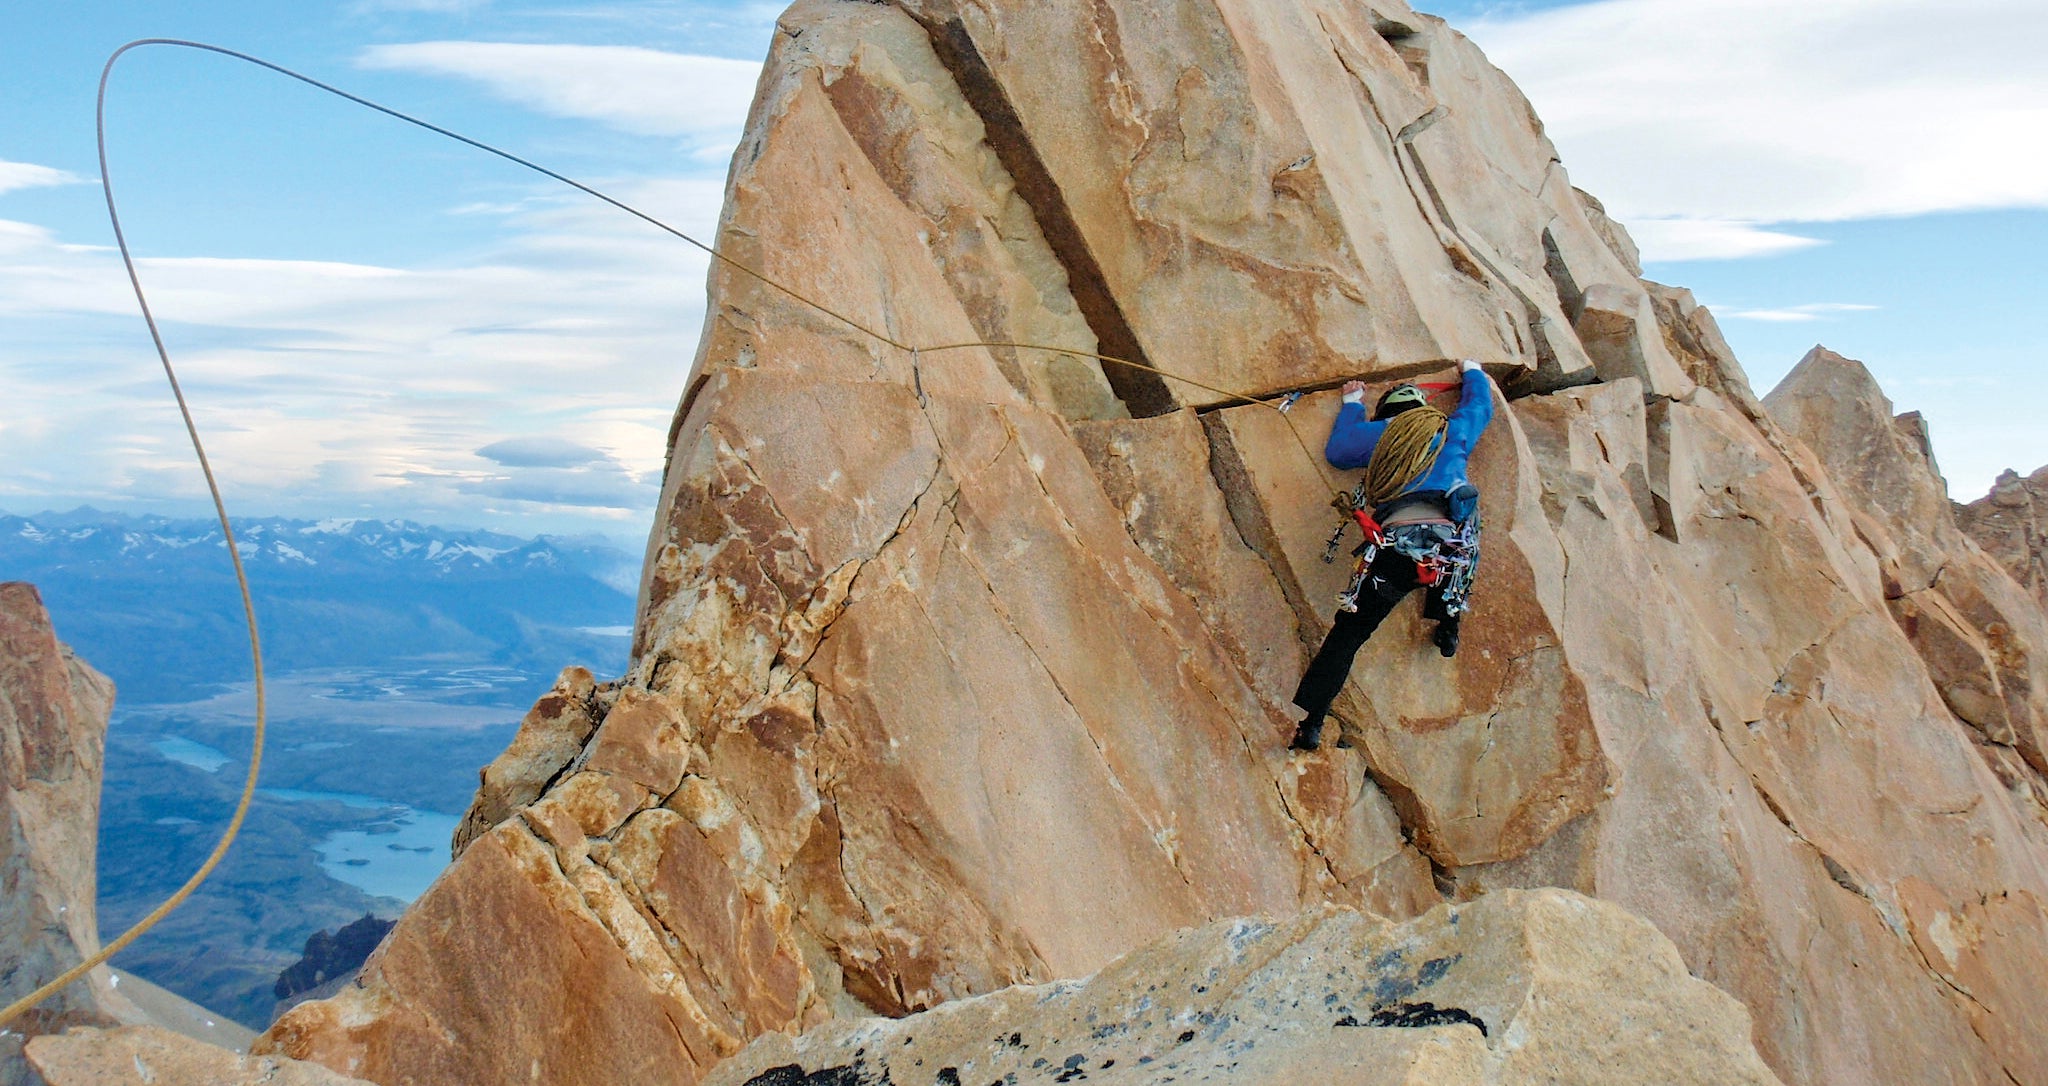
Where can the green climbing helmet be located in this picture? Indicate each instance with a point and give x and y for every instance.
(1398, 399)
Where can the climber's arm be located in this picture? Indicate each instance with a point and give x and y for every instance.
(1475, 410)
(1352, 436)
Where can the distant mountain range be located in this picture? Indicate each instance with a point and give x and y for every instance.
(151, 601)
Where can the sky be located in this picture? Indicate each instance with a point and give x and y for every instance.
(374, 322)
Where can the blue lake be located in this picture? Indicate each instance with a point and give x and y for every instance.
(397, 858)
(197, 755)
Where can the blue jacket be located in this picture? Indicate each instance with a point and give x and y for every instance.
(1353, 437)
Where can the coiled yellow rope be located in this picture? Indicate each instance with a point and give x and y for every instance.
(1406, 449)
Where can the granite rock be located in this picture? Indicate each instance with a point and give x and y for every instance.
(2011, 524)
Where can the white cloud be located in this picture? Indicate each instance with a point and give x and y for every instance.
(1794, 314)
(1711, 239)
(644, 91)
(540, 452)
(326, 385)
(28, 175)
(1760, 111)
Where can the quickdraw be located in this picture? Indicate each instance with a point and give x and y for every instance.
(1351, 506)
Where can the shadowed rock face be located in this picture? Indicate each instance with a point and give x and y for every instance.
(968, 668)
(1517, 987)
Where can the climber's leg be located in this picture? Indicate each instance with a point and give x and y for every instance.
(1393, 577)
(1446, 636)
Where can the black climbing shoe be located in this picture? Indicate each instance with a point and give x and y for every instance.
(1307, 736)
(1447, 638)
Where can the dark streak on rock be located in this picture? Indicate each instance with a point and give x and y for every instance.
(1144, 392)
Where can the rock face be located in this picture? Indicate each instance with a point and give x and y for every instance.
(1518, 987)
(53, 725)
(2011, 524)
(966, 666)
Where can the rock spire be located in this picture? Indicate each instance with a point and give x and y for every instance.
(962, 669)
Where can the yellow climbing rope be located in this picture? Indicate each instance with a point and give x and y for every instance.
(23, 1005)
(1406, 449)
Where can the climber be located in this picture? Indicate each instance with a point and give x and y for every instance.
(1421, 517)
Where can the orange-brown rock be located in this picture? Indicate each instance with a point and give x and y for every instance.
(958, 669)
(550, 736)
(1984, 639)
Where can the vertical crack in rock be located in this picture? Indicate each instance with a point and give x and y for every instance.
(667, 981)
(876, 985)
(1052, 676)
(1570, 297)
(669, 940)
(1254, 526)
(1164, 621)
(1301, 828)
(1657, 438)
(1143, 392)
(1410, 812)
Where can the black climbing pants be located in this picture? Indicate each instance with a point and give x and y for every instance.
(1388, 582)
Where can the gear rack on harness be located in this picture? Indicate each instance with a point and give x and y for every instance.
(1448, 558)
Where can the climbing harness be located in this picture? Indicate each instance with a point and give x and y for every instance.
(1446, 556)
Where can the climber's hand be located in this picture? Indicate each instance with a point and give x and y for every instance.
(1468, 365)
(1354, 388)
